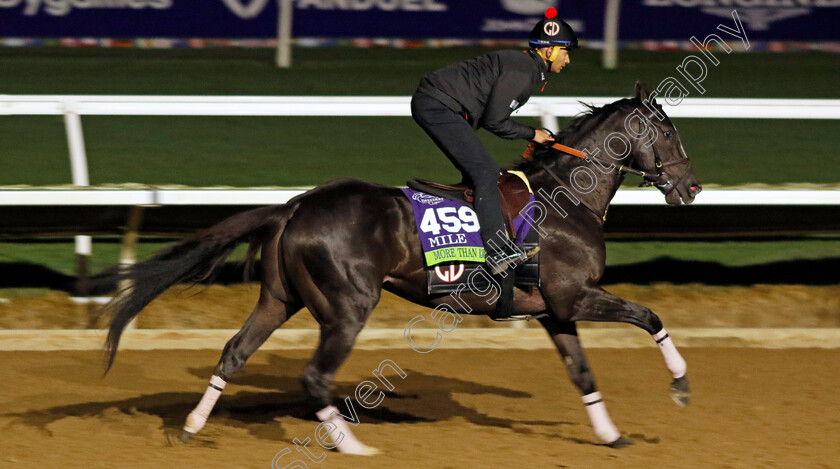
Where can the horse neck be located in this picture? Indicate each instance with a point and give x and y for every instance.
(608, 178)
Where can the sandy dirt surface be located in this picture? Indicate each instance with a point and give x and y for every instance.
(455, 409)
(227, 307)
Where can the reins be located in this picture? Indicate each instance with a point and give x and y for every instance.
(621, 168)
(661, 179)
(575, 152)
(650, 179)
(569, 150)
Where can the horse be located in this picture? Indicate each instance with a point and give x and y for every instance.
(334, 248)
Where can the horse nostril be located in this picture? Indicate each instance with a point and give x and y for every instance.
(696, 188)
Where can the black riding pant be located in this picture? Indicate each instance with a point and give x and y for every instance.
(458, 141)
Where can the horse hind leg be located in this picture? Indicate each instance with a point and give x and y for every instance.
(602, 306)
(268, 315)
(334, 347)
(341, 304)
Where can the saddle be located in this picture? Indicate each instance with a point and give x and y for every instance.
(513, 188)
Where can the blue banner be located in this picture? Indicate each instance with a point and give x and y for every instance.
(763, 20)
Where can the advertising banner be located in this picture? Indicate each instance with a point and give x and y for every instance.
(764, 20)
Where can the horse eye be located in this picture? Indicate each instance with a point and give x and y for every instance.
(667, 133)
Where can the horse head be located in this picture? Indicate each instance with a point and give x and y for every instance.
(657, 150)
(631, 135)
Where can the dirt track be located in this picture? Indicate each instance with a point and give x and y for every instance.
(751, 408)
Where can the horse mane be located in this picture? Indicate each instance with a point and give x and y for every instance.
(583, 123)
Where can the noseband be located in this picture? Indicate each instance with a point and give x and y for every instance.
(662, 179)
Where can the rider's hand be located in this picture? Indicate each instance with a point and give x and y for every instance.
(541, 136)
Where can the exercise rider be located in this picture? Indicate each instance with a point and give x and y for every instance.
(453, 102)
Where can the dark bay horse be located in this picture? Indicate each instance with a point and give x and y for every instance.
(334, 248)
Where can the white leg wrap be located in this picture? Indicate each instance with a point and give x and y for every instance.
(673, 360)
(342, 437)
(198, 417)
(601, 422)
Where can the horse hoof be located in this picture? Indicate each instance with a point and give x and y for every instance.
(680, 391)
(186, 436)
(362, 450)
(370, 451)
(621, 442)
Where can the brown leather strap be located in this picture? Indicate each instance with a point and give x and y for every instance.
(529, 151)
(569, 150)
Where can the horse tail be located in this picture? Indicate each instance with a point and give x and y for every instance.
(193, 259)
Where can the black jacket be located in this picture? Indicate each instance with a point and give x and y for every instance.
(488, 89)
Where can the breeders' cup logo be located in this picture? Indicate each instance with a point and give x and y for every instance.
(552, 28)
(528, 7)
(451, 273)
(757, 14)
(245, 10)
(426, 199)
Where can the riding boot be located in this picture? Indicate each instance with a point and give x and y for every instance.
(504, 306)
(501, 257)
(501, 262)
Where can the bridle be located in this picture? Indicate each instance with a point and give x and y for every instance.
(661, 179)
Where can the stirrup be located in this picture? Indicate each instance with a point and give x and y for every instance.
(520, 317)
(501, 262)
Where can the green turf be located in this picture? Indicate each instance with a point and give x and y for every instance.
(61, 257)
(384, 71)
(729, 253)
(248, 151)
(13, 293)
(243, 151)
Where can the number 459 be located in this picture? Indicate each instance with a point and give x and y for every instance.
(451, 220)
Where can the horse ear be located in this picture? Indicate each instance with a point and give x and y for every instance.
(642, 91)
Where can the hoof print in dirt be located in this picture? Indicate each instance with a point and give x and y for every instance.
(621, 442)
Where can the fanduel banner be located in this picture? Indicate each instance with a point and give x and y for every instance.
(805, 20)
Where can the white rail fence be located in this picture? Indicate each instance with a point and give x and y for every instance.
(268, 196)
(72, 107)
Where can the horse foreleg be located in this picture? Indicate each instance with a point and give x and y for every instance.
(565, 338)
(600, 305)
(268, 315)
